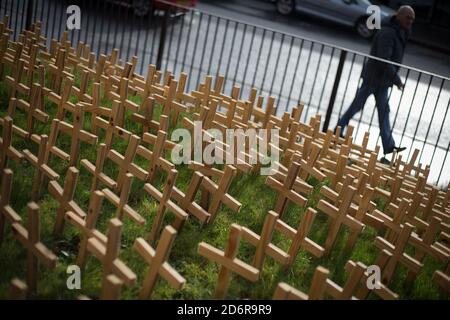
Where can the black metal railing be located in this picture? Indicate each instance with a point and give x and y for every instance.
(291, 68)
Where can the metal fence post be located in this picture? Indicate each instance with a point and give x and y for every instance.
(337, 80)
(162, 38)
(29, 17)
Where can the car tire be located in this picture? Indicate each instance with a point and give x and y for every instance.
(285, 7)
(362, 29)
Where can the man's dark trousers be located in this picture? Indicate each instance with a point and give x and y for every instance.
(382, 103)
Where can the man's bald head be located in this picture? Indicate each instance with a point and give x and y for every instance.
(406, 16)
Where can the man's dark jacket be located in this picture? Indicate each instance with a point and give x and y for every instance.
(389, 44)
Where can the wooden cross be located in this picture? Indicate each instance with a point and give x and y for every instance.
(6, 212)
(62, 100)
(165, 204)
(97, 171)
(299, 237)
(114, 125)
(122, 208)
(64, 196)
(157, 259)
(219, 193)
(316, 291)
(95, 109)
(156, 156)
(284, 189)
(14, 82)
(186, 201)
(146, 116)
(122, 96)
(263, 242)
(108, 254)
(33, 110)
(379, 289)
(36, 250)
(87, 226)
(6, 148)
(228, 261)
(41, 169)
(57, 71)
(339, 216)
(169, 102)
(77, 134)
(398, 255)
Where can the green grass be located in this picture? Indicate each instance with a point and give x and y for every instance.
(201, 275)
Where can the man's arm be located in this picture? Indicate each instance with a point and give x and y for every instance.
(384, 46)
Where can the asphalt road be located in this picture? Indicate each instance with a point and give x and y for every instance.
(263, 12)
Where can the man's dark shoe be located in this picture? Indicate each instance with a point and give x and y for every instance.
(385, 161)
(399, 149)
(341, 134)
(396, 149)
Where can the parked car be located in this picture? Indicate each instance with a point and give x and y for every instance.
(143, 7)
(352, 13)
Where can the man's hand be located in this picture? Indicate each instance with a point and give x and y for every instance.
(400, 86)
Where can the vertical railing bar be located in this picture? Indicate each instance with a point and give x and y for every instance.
(315, 78)
(180, 37)
(440, 132)
(432, 117)
(213, 45)
(248, 59)
(204, 47)
(269, 54)
(295, 72)
(420, 115)
(409, 111)
(291, 43)
(195, 47)
(326, 77)
(233, 39)
(244, 32)
(186, 47)
(283, 37)
(259, 58)
(305, 114)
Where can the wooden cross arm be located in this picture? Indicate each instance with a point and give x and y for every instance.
(60, 153)
(286, 292)
(88, 137)
(80, 224)
(22, 88)
(46, 256)
(49, 172)
(307, 244)
(313, 171)
(57, 191)
(14, 154)
(135, 170)
(332, 211)
(10, 214)
(205, 170)
(102, 111)
(442, 280)
(115, 200)
(228, 200)
(299, 186)
(191, 207)
(118, 267)
(151, 139)
(131, 105)
(290, 194)
(165, 270)
(37, 113)
(272, 250)
(431, 250)
(101, 176)
(405, 259)
(173, 207)
(235, 265)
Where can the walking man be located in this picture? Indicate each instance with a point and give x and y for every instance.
(389, 44)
